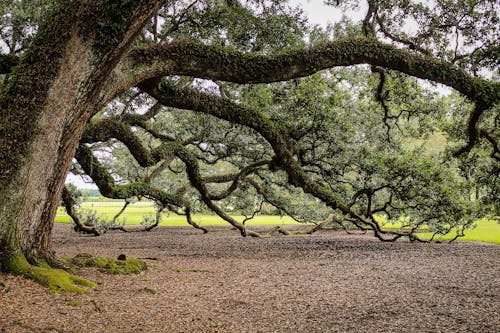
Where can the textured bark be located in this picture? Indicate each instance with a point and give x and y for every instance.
(41, 152)
(56, 88)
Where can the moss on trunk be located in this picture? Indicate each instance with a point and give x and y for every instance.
(57, 280)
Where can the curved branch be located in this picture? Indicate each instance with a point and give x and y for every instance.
(263, 192)
(186, 98)
(213, 62)
(224, 109)
(216, 63)
(106, 184)
(236, 178)
(113, 128)
(196, 181)
(69, 204)
(227, 110)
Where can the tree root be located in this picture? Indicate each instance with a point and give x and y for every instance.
(56, 280)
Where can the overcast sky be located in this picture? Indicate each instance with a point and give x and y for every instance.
(321, 14)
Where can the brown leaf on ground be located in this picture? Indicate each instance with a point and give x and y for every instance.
(221, 282)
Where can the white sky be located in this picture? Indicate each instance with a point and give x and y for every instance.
(79, 182)
(321, 14)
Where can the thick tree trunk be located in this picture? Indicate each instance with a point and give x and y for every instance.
(55, 90)
(31, 193)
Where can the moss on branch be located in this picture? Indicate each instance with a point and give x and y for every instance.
(217, 106)
(106, 184)
(214, 62)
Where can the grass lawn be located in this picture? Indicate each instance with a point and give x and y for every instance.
(485, 230)
(134, 213)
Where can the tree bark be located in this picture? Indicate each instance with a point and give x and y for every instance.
(48, 100)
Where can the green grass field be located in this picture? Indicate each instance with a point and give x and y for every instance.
(135, 212)
(485, 230)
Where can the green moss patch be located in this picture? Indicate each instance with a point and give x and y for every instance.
(57, 280)
(74, 303)
(110, 265)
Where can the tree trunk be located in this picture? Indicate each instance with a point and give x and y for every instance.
(48, 100)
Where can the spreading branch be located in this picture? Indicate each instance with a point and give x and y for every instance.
(216, 63)
(186, 98)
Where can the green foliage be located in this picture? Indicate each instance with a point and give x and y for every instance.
(376, 142)
(255, 26)
(19, 19)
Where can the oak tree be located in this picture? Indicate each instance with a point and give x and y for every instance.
(67, 61)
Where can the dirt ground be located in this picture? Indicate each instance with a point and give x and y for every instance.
(221, 282)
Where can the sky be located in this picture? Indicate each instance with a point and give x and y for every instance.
(321, 14)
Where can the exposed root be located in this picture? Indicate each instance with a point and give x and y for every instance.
(56, 280)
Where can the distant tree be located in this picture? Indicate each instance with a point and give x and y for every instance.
(80, 73)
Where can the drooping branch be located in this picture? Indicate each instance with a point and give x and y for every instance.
(106, 184)
(196, 180)
(106, 129)
(267, 198)
(186, 98)
(236, 178)
(69, 204)
(216, 63)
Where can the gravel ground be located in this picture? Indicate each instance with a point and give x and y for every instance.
(221, 282)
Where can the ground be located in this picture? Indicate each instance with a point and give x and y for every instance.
(221, 282)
